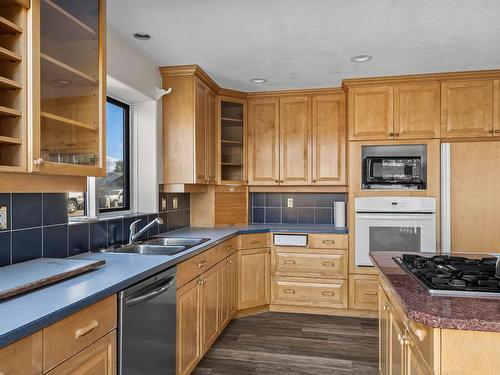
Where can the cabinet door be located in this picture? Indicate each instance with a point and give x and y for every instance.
(371, 113)
(233, 284)
(295, 140)
(210, 138)
(417, 111)
(209, 306)
(328, 140)
(467, 109)
(22, 357)
(263, 141)
(201, 111)
(384, 333)
(415, 364)
(69, 90)
(496, 108)
(254, 274)
(188, 326)
(224, 291)
(97, 359)
(398, 347)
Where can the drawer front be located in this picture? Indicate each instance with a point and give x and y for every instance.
(328, 241)
(22, 357)
(69, 336)
(363, 292)
(309, 292)
(330, 265)
(253, 241)
(226, 249)
(195, 266)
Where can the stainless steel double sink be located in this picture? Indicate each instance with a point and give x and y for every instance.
(160, 246)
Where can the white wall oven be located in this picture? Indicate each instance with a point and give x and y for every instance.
(394, 224)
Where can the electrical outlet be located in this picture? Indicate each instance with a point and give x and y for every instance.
(175, 203)
(3, 217)
(290, 202)
(164, 204)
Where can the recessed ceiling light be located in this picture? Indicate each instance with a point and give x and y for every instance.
(62, 81)
(141, 36)
(258, 81)
(361, 58)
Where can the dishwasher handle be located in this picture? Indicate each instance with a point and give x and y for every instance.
(152, 294)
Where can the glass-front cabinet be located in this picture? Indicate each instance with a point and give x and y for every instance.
(69, 87)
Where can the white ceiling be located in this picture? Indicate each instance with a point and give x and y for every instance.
(308, 43)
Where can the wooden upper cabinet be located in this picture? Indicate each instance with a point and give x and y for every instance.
(496, 108)
(328, 140)
(417, 111)
(370, 112)
(467, 109)
(211, 147)
(69, 88)
(295, 140)
(263, 141)
(201, 128)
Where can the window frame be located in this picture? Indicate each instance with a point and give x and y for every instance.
(93, 190)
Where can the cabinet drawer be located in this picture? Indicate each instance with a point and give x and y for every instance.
(226, 249)
(195, 266)
(327, 263)
(309, 292)
(363, 292)
(98, 358)
(22, 357)
(253, 241)
(328, 241)
(67, 337)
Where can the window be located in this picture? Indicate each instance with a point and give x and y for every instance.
(113, 193)
(77, 204)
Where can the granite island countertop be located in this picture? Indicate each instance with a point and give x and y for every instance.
(450, 312)
(28, 313)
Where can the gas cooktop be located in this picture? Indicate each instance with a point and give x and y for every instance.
(453, 275)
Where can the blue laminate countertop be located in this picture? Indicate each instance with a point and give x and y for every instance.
(28, 313)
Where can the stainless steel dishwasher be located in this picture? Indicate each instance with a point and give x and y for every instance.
(147, 326)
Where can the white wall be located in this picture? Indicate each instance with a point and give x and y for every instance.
(134, 80)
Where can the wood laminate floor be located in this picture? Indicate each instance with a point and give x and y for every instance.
(293, 344)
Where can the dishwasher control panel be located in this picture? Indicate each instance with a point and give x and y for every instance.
(299, 240)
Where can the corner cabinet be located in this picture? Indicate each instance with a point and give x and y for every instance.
(189, 132)
(69, 87)
(297, 140)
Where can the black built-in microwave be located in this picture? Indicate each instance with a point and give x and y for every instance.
(389, 172)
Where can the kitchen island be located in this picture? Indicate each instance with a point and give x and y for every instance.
(422, 333)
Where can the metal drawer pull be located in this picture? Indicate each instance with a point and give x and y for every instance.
(328, 294)
(328, 242)
(289, 291)
(419, 332)
(386, 307)
(289, 262)
(202, 264)
(229, 248)
(369, 293)
(200, 281)
(255, 242)
(80, 332)
(328, 264)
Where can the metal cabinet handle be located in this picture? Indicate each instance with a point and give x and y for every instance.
(281, 181)
(419, 332)
(497, 131)
(490, 131)
(277, 181)
(80, 332)
(314, 181)
(202, 264)
(289, 262)
(289, 291)
(391, 134)
(370, 293)
(326, 293)
(328, 242)
(200, 281)
(229, 248)
(254, 242)
(396, 134)
(328, 264)
(386, 307)
(38, 161)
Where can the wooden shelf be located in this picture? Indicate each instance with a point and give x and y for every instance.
(9, 140)
(53, 70)
(55, 119)
(7, 55)
(9, 112)
(232, 143)
(231, 164)
(9, 27)
(74, 28)
(6, 83)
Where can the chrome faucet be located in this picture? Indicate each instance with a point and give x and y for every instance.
(133, 228)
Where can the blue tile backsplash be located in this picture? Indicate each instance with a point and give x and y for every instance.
(308, 208)
(38, 227)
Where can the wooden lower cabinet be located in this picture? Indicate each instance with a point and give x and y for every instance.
(363, 292)
(254, 278)
(97, 359)
(228, 291)
(209, 307)
(22, 357)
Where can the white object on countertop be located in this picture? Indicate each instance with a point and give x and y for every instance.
(339, 213)
(290, 240)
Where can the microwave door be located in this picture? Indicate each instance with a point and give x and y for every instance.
(393, 232)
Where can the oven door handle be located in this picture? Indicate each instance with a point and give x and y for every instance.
(394, 216)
